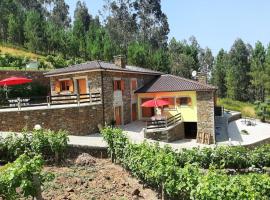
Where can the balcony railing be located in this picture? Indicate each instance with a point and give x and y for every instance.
(51, 100)
(163, 123)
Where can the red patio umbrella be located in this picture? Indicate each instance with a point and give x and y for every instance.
(14, 81)
(155, 103)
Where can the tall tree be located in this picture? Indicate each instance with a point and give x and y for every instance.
(183, 57)
(59, 14)
(121, 23)
(139, 54)
(82, 20)
(258, 72)
(161, 60)
(15, 29)
(219, 73)
(206, 60)
(34, 31)
(237, 76)
(153, 23)
(267, 71)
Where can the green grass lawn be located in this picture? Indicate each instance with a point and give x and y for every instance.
(247, 109)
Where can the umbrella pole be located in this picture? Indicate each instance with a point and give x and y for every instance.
(6, 90)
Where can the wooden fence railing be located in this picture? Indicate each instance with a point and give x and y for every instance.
(52, 100)
(163, 123)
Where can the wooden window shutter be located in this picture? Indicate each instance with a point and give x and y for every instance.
(189, 101)
(114, 85)
(71, 87)
(57, 86)
(122, 85)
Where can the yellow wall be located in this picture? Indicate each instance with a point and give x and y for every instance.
(189, 113)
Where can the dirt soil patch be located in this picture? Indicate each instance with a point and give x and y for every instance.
(96, 181)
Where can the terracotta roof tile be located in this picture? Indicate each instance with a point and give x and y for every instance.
(171, 83)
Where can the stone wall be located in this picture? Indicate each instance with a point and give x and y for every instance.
(205, 114)
(36, 76)
(76, 120)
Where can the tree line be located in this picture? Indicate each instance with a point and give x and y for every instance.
(139, 30)
(243, 72)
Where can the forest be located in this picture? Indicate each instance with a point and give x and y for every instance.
(139, 30)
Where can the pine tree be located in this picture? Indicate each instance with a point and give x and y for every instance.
(219, 73)
(82, 20)
(34, 31)
(237, 76)
(258, 72)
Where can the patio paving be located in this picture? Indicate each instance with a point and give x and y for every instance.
(134, 132)
(256, 133)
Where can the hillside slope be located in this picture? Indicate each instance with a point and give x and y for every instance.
(19, 52)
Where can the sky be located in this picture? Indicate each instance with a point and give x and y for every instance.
(215, 24)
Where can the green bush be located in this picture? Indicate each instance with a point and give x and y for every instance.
(24, 173)
(180, 175)
(48, 143)
(8, 60)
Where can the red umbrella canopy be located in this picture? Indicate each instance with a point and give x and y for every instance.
(14, 81)
(155, 103)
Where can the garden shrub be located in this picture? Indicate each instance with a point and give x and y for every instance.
(24, 173)
(49, 144)
(180, 175)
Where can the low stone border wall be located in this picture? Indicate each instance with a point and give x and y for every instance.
(234, 117)
(256, 144)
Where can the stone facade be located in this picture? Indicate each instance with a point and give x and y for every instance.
(76, 120)
(36, 76)
(94, 79)
(103, 81)
(205, 115)
(108, 78)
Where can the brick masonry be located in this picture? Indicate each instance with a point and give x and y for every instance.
(36, 76)
(205, 115)
(76, 120)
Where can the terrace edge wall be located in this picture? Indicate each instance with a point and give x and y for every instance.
(76, 120)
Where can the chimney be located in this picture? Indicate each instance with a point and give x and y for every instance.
(120, 61)
(202, 77)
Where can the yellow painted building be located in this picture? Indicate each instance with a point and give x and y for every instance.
(183, 102)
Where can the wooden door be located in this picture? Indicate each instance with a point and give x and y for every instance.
(147, 112)
(118, 115)
(134, 112)
(81, 86)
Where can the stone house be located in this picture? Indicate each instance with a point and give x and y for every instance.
(124, 88)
